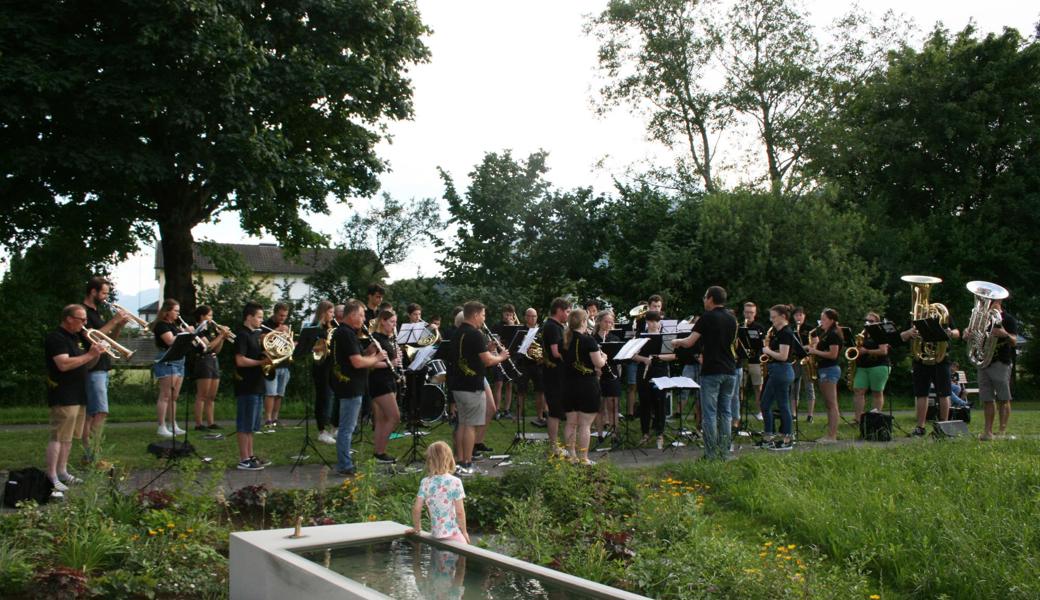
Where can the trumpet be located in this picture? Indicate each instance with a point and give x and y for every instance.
(225, 330)
(199, 342)
(112, 348)
(136, 319)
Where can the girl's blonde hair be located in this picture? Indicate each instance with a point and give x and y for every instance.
(439, 459)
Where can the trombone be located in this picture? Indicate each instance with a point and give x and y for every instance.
(112, 348)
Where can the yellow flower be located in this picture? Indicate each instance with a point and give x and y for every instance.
(768, 544)
(169, 525)
(875, 597)
(190, 530)
(151, 532)
(791, 546)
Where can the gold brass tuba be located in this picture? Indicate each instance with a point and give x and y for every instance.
(638, 311)
(112, 347)
(929, 353)
(979, 332)
(278, 346)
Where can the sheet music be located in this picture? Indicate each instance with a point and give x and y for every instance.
(669, 325)
(528, 340)
(684, 326)
(411, 332)
(422, 356)
(667, 383)
(631, 348)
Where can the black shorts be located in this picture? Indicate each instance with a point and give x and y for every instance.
(925, 376)
(378, 386)
(554, 400)
(610, 387)
(581, 394)
(206, 367)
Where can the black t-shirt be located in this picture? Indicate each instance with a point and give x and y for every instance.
(827, 339)
(347, 382)
(248, 380)
(552, 333)
(1005, 352)
(209, 334)
(65, 388)
(270, 323)
(577, 360)
(758, 329)
(866, 361)
(384, 342)
(162, 327)
(785, 337)
(718, 331)
(96, 321)
(657, 368)
(468, 369)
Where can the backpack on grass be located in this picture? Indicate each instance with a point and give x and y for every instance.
(27, 484)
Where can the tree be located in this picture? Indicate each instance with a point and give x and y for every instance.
(346, 277)
(941, 153)
(394, 228)
(167, 114)
(656, 55)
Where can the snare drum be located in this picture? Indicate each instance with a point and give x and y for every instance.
(432, 401)
(436, 371)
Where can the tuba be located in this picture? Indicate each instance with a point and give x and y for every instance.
(978, 334)
(278, 347)
(929, 353)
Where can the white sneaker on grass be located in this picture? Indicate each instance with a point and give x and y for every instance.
(326, 438)
(163, 432)
(59, 486)
(69, 479)
(177, 430)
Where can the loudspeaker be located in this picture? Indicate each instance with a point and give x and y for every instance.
(171, 449)
(949, 429)
(876, 427)
(962, 413)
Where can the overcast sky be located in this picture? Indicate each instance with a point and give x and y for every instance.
(521, 76)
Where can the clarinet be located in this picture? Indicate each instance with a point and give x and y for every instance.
(399, 378)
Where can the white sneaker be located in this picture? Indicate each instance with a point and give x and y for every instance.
(59, 486)
(67, 478)
(163, 432)
(325, 438)
(177, 430)
(759, 416)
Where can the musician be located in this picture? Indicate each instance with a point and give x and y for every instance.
(716, 333)
(552, 374)
(651, 399)
(98, 289)
(382, 386)
(207, 370)
(751, 373)
(872, 369)
(801, 380)
(654, 303)
(468, 383)
(610, 380)
(350, 371)
(532, 376)
(249, 384)
(592, 308)
(69, 357)
(375, 296)
(414, 312)
(274, 388)
(325, 320)
(777, 385)
(995, 379)
(925, 376)
(169, 373)
(582, 360)
(501, 384)
(826, 347)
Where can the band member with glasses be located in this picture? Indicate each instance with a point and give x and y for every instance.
(872, 369)
(610, 377)
(532, 379)
(98, 289)
(780, 375)
(582, 359)
(751, 374)
(169, 373)
(826, 347)
(206, 370)
(651, 399)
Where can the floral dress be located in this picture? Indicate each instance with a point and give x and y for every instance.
(439, 492)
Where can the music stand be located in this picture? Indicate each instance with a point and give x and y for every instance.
(183, 345)
(931, 331)
(672, 383)
(309, 336)
(629, 349)
(884, 332)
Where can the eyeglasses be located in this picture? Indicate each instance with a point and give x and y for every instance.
(83, 319)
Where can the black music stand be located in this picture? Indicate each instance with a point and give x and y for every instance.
(183, 345)
(308, 337)
(674, 442)
(884, 332)
(751, 343)
(417, 450)
(931, 331)
(623, 442)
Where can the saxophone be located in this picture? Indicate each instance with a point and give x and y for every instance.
(764, 360)
(809, 362)
(852, 354)
(928, 353)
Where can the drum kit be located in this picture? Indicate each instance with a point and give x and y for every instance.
(433, 397)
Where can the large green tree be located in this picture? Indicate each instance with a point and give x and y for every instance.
(125, 116)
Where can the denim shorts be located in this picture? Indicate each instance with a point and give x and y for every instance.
(165, 368)
(97, 393)
(829, 374)
(247, 412)
(276, 386)
(631, 370)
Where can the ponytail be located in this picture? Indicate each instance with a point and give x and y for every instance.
(575, 321)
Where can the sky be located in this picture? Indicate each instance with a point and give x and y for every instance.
(523, 76)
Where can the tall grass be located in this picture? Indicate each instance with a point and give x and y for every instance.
(955, 518)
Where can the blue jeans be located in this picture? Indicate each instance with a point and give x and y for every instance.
(348, 414)
(97, 393)
(778, 389)
(716, 419)
(734, 397)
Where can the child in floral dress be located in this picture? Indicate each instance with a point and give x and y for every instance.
(442, 494)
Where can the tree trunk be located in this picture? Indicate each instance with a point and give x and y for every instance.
(177, 241)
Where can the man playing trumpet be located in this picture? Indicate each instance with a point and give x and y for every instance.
(98, 289)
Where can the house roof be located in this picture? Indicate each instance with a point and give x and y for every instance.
(149, 309)
(266, 258)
